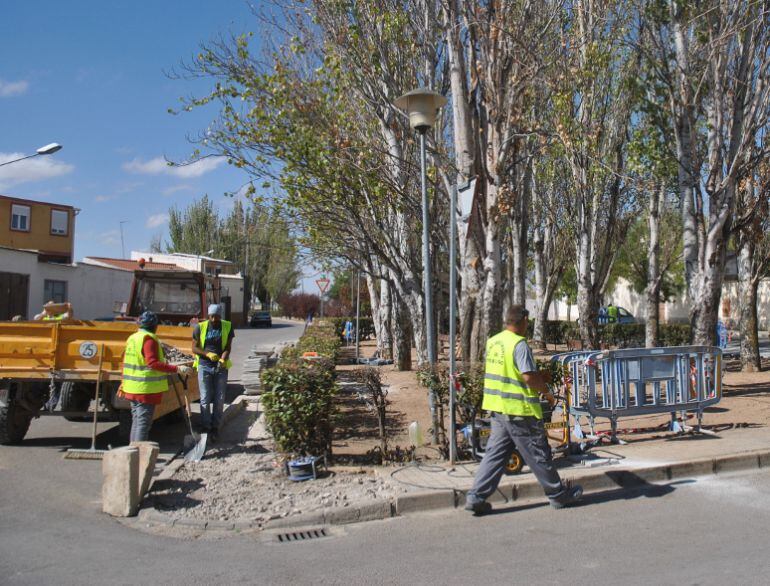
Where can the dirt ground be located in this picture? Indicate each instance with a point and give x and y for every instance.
(240, 477)
(745, 403)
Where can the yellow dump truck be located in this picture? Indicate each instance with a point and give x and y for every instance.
(41, 360)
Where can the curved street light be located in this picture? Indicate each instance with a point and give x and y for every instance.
(48, 149)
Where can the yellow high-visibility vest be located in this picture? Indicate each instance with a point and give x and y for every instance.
(138, 378)
(226, 328)
(504, 388)
(54, 317)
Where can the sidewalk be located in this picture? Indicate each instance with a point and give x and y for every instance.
(655, 459)
(435, 485)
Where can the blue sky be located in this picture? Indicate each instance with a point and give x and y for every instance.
(90, 75)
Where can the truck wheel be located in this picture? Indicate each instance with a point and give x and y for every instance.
(14, 422)
(75, 397)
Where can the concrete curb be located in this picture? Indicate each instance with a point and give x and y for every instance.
(508, 492)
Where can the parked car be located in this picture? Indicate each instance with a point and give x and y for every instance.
(261, 319)
(624, 316)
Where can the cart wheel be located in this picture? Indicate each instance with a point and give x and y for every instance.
(515, 464)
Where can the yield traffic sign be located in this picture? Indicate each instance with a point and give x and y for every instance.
(323, 284)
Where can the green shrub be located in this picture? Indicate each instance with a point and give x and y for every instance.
(674, 334)
(622, 335)
(320, 338)
(299, 407)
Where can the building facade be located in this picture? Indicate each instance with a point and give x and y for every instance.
(46, 228)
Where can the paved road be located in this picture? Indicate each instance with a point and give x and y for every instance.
(704, 531)
(707, 531)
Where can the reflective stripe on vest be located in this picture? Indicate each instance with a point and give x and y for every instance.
(504, 388)
(226, 328)
(138, 378)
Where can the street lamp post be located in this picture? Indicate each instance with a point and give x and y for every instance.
(422, 105)
(48, 149)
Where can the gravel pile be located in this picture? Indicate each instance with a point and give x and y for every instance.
(240, 480)
(174, 355)
(242, 483)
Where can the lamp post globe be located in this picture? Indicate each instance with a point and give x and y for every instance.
(422, 105)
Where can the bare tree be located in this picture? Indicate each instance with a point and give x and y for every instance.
(710, 62)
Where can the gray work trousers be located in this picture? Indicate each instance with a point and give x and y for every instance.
(527, 435)
(141, 420)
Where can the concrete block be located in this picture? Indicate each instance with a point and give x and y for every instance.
(303, 520)
(736, 462)
(342, 515)
(220, 525)
(503, 495)
(192, 523)
(120, 482)
(148, 455)
(425, 501)
(700, 467)
(374, 511)
(528, 489)
(652, 474)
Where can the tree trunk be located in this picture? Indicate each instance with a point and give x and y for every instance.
(402, 335)
(747, 295)
(385, 311)
(653, 269)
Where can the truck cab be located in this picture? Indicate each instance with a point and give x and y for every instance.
(177, 297)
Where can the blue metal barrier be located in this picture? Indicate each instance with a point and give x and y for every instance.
(642, 381)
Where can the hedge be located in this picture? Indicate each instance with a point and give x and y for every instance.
(299, 392)
(620, 335)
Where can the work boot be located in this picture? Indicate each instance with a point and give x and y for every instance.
(570, 496)
(478, 508)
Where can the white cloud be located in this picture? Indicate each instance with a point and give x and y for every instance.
(103, 198)
(159, 166)
(34, 169)
(157, 220)
(175, 188)
(8, 89)
(109, 238)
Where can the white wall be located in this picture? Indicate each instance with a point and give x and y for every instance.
(232, 285)
(92, 290)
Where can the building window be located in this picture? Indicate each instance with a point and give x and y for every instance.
(55, 291)
(59, 222)
(19, 217)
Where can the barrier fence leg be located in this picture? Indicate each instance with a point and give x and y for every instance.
(674, 426)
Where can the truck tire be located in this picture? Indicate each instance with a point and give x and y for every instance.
(75, 397)
(14, 422)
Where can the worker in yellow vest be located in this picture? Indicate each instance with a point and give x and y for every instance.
(145, 375)
(212, 342)
(49, 312)
(512, 389)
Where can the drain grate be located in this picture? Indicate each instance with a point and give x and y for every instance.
(302, 535)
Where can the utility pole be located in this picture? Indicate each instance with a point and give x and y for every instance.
(122, 244)
(358, 311)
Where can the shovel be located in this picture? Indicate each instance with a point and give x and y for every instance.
(194, 445)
